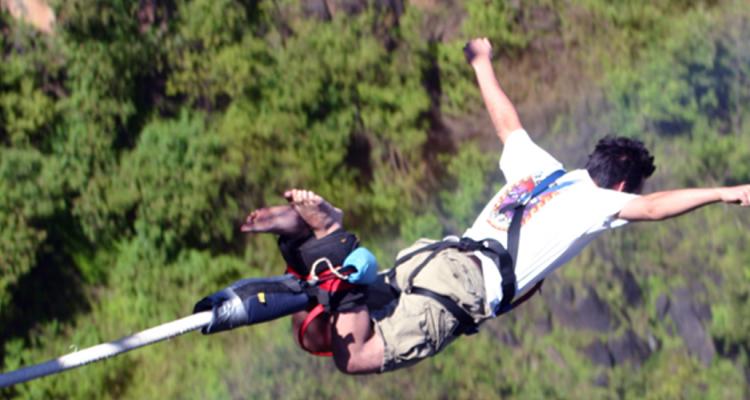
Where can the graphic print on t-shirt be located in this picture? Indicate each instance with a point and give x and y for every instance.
(516, 192)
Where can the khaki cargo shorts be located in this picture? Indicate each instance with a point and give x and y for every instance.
(414, 327)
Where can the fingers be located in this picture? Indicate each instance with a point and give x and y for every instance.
(251, 217)
(249, 220)
(745, 196)
(477, 49)
(478, 45)
(737, 195)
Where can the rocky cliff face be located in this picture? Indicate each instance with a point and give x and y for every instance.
(612, 339)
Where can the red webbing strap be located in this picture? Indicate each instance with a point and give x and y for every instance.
(328, 283)
(290, 270)
(313, 314)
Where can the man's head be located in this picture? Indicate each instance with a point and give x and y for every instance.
(620, 163)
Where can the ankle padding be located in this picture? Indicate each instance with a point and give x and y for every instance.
(250, 301)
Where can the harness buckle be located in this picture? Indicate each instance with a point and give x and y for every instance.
(314, 270)
(466, 244)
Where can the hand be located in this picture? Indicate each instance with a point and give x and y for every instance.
(736, 195)
(478, 49)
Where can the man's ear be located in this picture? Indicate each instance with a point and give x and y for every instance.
(620, 186)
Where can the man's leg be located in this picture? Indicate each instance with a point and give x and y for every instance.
(357, 349)
(279, 220)
(320, 215)
(317, 338)
(284, 220)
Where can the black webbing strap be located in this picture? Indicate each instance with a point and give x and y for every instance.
(514, 230)
(466, 324)
(514, 235)
(504, 259)
(492, 248)
(464, 244)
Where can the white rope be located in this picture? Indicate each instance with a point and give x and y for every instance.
(106, 350)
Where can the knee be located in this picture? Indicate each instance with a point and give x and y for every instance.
(357, 361)
(342, 364)
(350, 365)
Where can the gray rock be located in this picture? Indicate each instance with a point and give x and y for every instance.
(589, 313)
(316, 9)
(629, 348)
(626, 349)
(543, 325)
(598, 353)
(602, 380)
(688, 317)
(630, 288)
(662, 306)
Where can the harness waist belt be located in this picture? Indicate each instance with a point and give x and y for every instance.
(503, 258)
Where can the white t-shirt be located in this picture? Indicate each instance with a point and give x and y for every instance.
(556, 225)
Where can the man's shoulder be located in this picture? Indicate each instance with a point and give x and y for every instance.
(522, 157)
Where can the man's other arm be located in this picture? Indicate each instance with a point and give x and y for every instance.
(502, 112)
(672, 203)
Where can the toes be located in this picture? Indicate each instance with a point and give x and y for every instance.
(289, 194)
(301, 197)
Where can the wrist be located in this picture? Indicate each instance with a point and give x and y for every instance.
(480, 62)
(718, 194)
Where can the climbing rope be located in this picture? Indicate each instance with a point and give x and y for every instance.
(106, 350)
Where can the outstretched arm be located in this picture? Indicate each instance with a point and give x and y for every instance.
(502, 112)
(662, 205)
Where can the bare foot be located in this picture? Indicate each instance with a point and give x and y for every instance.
(320, 215)
(281, 220)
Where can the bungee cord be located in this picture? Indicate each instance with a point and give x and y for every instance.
(105, 350)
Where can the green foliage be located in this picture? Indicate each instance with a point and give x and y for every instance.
(173, 182)
(496, 20)
(468, 169)
(29, 195)
(214, 53)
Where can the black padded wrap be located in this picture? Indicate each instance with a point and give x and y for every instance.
(250, 301)
(289, 247)
(301, 253)
(335, 247)
(344, 300)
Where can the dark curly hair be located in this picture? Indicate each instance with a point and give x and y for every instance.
(615, 160)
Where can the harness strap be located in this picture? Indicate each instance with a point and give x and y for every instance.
(312, 315)
(466, 324)
(514, 236)
(327, 290)
(526, 296)
(503, 258)
(490, 247)
(514, 230)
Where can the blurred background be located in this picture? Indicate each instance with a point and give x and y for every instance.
(136, 135)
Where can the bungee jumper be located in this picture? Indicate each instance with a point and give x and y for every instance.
(373, 321)
(440, 290)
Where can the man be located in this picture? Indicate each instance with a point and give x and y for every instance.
(555, 226)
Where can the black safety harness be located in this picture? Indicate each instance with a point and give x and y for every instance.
(491, 248)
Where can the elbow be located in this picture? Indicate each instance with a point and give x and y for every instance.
(654, 214)
(657, 217)
(643, 212)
